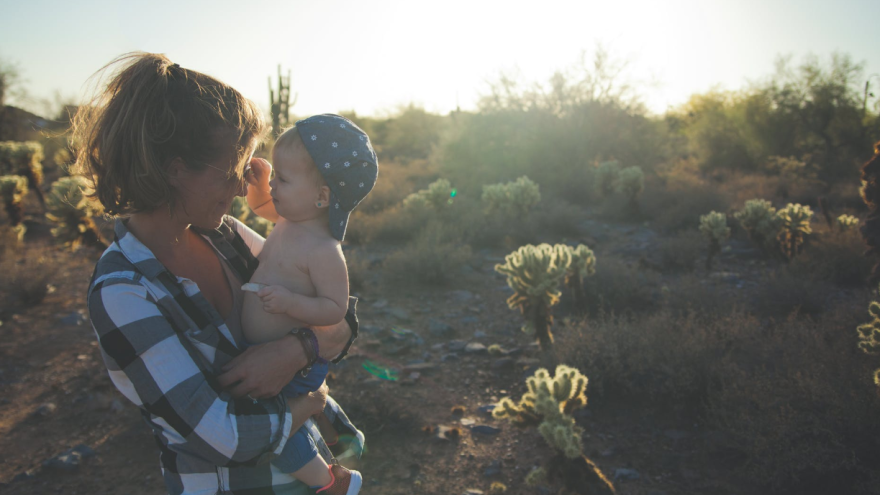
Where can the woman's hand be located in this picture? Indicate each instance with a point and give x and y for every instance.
(263, 369)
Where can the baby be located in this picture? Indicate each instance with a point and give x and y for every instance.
(324, 167)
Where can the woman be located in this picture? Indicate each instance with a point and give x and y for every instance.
(168, 149)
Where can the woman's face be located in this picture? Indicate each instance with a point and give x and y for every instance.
(203, 197)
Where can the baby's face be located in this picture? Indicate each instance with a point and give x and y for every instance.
(296, 186)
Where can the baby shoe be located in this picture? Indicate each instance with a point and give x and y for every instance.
(342, 482)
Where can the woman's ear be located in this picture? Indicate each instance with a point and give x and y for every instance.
(175, 169)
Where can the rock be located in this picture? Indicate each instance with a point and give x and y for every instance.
(486, 430)
(461, 295)
(399, 313)
(381, 303)
(420, 367)
(370, 328)
(503, 363)
(73, 319)
(456, 345)
(469, 320)
(449, 357)
(479, 334)
(475, 348)
(487, 409)
(494, 468)
(27, 475)
(439, 328)
(45, 410)
(70, 460)
(626, 474)
(116, 406)
(473, 491)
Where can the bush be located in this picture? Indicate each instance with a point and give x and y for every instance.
(788, 290)
(618, 287)
(512, 198)
(799, 404)
(833, 258)
(26, 279)
(434, 257)
(679, 252)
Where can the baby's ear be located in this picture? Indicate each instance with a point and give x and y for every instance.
(324, 195)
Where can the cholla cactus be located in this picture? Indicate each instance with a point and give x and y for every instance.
(583, 265)
(606, 177)
(534, 273)
(760, 221)
(714, 227)
(12, 191)
(548, 405)
(869, 335)
(536, 477)
(512, 198)
(25, 159)
(438, 195)
(846, 222)
(68, 206)
(242, 211)
(630, 182)
(795, 224)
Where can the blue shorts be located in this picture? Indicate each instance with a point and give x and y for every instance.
(304, 384)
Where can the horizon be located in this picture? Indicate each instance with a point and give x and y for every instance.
(398, 54)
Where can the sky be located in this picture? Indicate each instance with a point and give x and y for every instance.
(375, 56)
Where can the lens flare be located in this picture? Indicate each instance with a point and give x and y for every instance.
(381, 371)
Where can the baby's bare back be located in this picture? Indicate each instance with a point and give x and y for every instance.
(283, 261)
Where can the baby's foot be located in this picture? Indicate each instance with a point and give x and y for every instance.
(342, 482)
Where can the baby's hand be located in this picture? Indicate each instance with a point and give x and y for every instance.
(276, 299)
(261, 169)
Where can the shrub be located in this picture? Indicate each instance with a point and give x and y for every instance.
(583, 265)
(512, 198)
(26, 280)
(785, 291)
(12, 191)
(434, 257)
(72, 212)
(630, 182)
(534, 273)
(831, 258)
(619, 287)
(679, 252)
(25, 159)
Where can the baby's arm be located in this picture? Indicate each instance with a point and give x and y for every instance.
(259, 196)
(328, 274)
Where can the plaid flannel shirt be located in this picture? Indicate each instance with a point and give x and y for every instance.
(164, 346)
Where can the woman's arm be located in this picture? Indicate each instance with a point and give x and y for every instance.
(155, 366)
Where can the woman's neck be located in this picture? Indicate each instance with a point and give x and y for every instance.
(166, 237)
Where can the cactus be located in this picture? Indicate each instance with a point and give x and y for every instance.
(280, 103)
(534, 273)
(25, 159)
(714, 227)
(68, 206)
(12, 190)
(548, 405)
(606, 177)
(242, 212)
(583, 265)
(869, 335)
(512, 198)
(536, 476)
(497, 487)
(438, 195)
(760, 221)
(847, 222)
(795, 225)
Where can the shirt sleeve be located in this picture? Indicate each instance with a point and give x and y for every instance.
(157, 367)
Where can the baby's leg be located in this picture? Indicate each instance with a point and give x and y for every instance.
(316, 473)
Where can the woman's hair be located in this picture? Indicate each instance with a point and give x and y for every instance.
(871, 195)
(151, 112)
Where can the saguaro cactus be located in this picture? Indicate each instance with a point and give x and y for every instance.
(512, 198)
(714, 227)
(548, 405)
(795, 225)
(25, 159)
(583, 265)
(534, 273)
(760, 221)
(439, 194)
(68, 206)
(280, 103)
